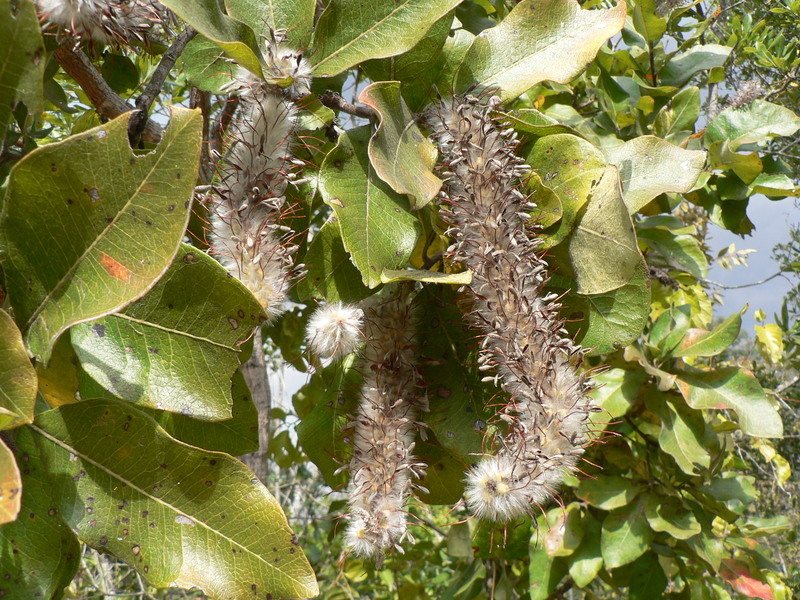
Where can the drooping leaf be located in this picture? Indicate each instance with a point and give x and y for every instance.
(377, 229)
(348, 33)
(331, 274)
(22, 59)
(679, 247)
(39, 555)
(729, 387)
(17, 377)
(10, 487)
(710, 343)
(680, 69)
(540, 40)
(755, 123)
(682, 433)
(205, 65)
(603, 249)
(625, 535)
(296, 17)
(399, 153)
(120, 72)
(572, 181)
(671, 516)
(649, 166)
(178, 346)
(176, 513)
(607, 321)
(235, 38)
(113, 222)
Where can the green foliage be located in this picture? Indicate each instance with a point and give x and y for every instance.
(134, 338)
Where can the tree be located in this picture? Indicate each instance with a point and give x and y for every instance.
(509, 214)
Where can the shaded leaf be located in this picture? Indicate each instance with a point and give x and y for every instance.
(625, 535)
(678, 246)
(296, 17)
(114, 472)
(22, 59)
(646, 578)
(377, 230)
(113, 219)
(755, 123)
(58, 381)
(603, 249)
(650, 166)
(177, 347)
(682, 433)
(17, 377)
(120, 72)
(39, 555)
(535, 123)
(540, 40)
(444, 476)
(400, 154)
(681, 68)
(729, 387)
(348, 33)
(331, 274)
(235, 38)
(587, 560)
(671, 516)
(564, 530)
(10, 487)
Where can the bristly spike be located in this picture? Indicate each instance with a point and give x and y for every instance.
(523, 338)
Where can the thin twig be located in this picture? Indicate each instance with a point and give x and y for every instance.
(105, 100)
(153, 89)
(336, 102)
(741, 285)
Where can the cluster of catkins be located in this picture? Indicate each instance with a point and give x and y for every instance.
(523, 342)
(255, 170)
(104, 21)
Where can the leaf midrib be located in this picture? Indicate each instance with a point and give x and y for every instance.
(172, 331)
(133, 486)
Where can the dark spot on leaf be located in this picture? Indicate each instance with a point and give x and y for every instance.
(171, 207)
(102, 541)
(93, 523)
(53, 167)
(93, 194)
(145, 513)
(148, 223)
(443, 391)
(90, 499)
(234, 323)
(240, 312)
(70, 201)
(213, 461)
(133, 161)
(52, 512)
(177, 175)
(189, 258)
(146, 569)
(163, 465)
(170, 306)
(32, 516)
(152, 350)
(209, 483)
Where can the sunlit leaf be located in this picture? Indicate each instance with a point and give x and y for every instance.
(10, 486)
(17, 377)
(609, 492)
(296, 17)
(755, 123)
(625, 535)
(710, 343)
(682, 433)
(681, 68)
(671, 516)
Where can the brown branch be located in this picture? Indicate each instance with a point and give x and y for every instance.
(336, 102)
(255, 374)
(105, 100)
(153, 88)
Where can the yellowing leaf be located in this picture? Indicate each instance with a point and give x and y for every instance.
(769, 339)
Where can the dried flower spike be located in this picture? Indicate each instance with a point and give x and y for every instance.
(257, 167)
(523, 338)
(335, 330)
(383, 465)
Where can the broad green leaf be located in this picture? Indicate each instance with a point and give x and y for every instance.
(603, 249)
(572, 181)
(59, 381)
(17, 377)
(399, 153)
(648, 21)
(729, 387)
(462, 278)
(758, 526)
(680, 318)
(538, 124)
(681, 68)
(611, 320)
(746, 166)
(544, 572)
(625, 535)
(710, 549)
(296, 17)
(647, 578)
(519, 541)
(777, 185)
(459, 403)
(377, 229)
(755, 123)
(564, 530)
(734, 490)
(39, 555)
(444, 476)
(22, 59)
(205, 65)
(587, 560)
(769, 338)
(234, 37)
(540, 40)
(410, 66)
(710, 343)
(89, 226)
(348, 33)
(608, 492)
(616, 390)
(549, 209)
(682, 433)
(671, 516)
(650, 166)
(679, 249)
(331, 395)
(120, 72)
(331, 274)
(176, 513)
(178, 346)
(679, 115)
(10, 487)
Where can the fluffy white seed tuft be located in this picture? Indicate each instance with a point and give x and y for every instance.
(103, 21)
(335, 330)
(494, 491)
